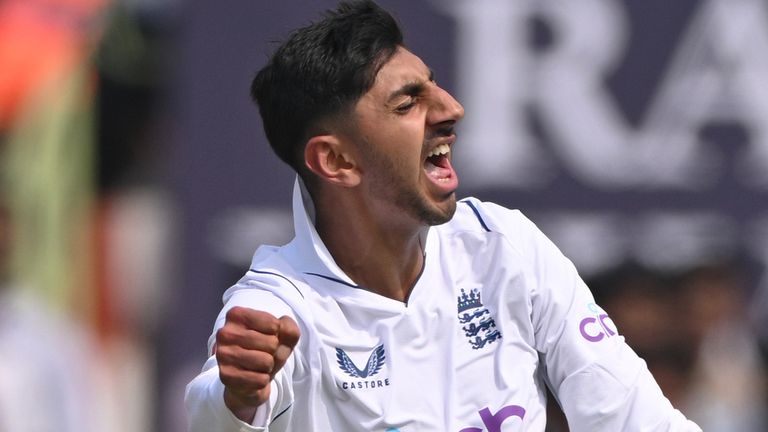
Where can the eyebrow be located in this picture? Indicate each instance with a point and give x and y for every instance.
(412, 88)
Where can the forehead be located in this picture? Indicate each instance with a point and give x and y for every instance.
(403, 68)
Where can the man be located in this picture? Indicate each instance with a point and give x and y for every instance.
(395, 308)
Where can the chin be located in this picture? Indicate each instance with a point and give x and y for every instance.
(440, 213)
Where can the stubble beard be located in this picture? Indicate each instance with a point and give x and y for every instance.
(419, 208)
(409, 198)
(404, 196)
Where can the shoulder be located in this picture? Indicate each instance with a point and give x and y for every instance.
(485, 216)
(271, 272)
(491, 220)
(270, 284)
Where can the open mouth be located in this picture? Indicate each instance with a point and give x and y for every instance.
(438, 165)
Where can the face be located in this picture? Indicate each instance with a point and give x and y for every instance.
(404, 134)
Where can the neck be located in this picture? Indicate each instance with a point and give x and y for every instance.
(380, 257)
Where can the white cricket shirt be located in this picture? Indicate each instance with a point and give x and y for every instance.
(497, 314)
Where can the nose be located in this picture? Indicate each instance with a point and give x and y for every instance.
(444, 107)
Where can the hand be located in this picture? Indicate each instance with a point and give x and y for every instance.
(251, 348)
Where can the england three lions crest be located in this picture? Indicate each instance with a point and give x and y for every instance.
(476, 321)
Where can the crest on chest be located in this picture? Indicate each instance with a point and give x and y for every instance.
(476, 320)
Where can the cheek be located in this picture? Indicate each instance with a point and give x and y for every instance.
(396, 148)
(409, 140)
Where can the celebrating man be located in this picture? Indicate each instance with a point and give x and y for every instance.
(397, 307)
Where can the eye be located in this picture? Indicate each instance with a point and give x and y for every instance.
(406, 106)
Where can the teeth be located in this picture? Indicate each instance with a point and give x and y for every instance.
(439, 150)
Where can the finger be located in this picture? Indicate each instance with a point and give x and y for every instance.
(288, 331)
(243, 391)
(281, 356)
(252, 319)
(246, 360)
(288, 336)
(249, 339)
(244, 383)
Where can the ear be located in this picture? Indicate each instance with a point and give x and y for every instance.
(329, 159)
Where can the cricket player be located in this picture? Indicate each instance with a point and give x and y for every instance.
(397, 307)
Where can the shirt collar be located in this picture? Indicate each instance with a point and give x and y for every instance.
(307, 251)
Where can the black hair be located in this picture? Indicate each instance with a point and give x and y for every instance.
(321, 71)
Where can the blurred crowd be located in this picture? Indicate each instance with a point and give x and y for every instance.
(695, 331)
(83, 223)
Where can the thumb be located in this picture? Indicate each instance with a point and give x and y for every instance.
(288, 336)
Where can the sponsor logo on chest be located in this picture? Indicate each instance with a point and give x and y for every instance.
(366, 377)
(491, 421)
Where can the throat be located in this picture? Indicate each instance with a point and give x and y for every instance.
(378, 256)
(389, 275)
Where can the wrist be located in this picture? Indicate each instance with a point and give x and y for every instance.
(243, 410)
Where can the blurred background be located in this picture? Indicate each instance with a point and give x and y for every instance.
(136, 182)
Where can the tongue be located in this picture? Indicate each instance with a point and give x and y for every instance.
(440, 168)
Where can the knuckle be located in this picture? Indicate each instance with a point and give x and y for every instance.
(261, 381)
(244, 381)
(265, 362)
(235, 313)
(223, 353)
(269, 324)
(288, 327)
(224, 334)
(271, 343)
(246, 384)
(227, 375)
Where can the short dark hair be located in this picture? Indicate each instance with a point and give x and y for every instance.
(321, 71)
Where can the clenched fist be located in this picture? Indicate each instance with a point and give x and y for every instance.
(251, 348)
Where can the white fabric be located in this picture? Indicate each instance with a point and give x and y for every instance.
(526, 320)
